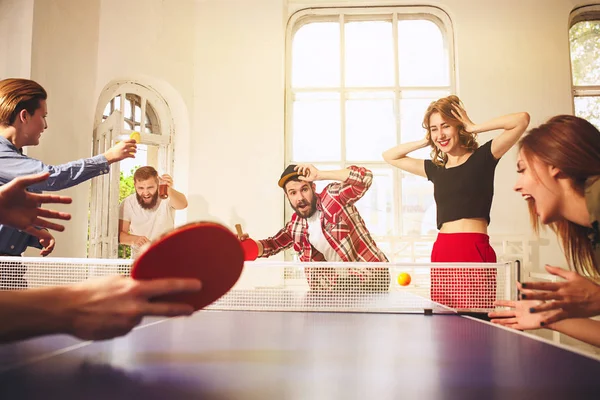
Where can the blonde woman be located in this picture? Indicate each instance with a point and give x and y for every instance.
(462, 173)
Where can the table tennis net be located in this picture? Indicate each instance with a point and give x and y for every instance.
(296, 286)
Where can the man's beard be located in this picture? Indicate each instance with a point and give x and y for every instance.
(147, 206)
(308, 213)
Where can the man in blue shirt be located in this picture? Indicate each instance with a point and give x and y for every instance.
(96, 309)
(23, 113)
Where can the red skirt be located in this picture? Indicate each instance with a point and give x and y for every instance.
(463, 288)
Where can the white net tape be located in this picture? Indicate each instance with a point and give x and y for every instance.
(296, 286)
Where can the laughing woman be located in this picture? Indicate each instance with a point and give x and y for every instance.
(462, 173)
(559, 176)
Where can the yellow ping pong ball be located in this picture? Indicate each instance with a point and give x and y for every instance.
(403, 279)
(135, 136)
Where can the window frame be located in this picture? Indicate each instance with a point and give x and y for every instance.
(581, 14)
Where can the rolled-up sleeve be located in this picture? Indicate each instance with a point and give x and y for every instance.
(354, 187)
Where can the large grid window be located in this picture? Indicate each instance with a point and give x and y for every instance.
(584, 38)
(359, 82)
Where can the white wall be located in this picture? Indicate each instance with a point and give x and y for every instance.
(16, 21)
(64, 59)
(238, 114)
(220, 65)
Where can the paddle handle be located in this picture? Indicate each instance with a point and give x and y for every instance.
(238, 228)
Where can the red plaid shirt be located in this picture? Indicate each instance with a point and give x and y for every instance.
(345, 231)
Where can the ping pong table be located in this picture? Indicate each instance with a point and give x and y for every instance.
(232, 354)
(273, 338)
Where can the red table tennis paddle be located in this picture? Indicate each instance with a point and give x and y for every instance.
(206, 251)
(250, 247)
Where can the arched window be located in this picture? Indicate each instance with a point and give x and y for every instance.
(125, 107)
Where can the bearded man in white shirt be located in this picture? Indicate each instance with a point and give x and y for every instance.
(145, 215)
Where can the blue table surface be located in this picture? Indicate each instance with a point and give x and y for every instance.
(299, 355)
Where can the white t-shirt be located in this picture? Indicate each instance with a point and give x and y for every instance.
(318, 239)
(151, 223)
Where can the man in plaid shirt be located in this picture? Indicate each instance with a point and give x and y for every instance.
(327, 226)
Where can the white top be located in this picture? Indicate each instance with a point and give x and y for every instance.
(318, 239)
(151, 223)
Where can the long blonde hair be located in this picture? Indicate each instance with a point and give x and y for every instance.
(444, 106)
(572, 145)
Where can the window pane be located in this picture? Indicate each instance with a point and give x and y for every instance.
(418, 206)
(152, 125)
(127, 113)
(585, 52)
(369, 50)
(422, 57)
(316, 128)
(138, 114)
(118, 103)
(316, 55)
(154, 156)
(588, 108)
(412, 109)
(370, 128)
(376, 206)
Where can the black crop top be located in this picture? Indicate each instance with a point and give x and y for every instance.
(465, 191)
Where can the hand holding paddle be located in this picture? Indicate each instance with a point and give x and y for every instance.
(250, 247)
(205, 251)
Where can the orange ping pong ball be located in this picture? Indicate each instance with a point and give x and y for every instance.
(403, 279)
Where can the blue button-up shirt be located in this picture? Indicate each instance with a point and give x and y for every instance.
(14, 164)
